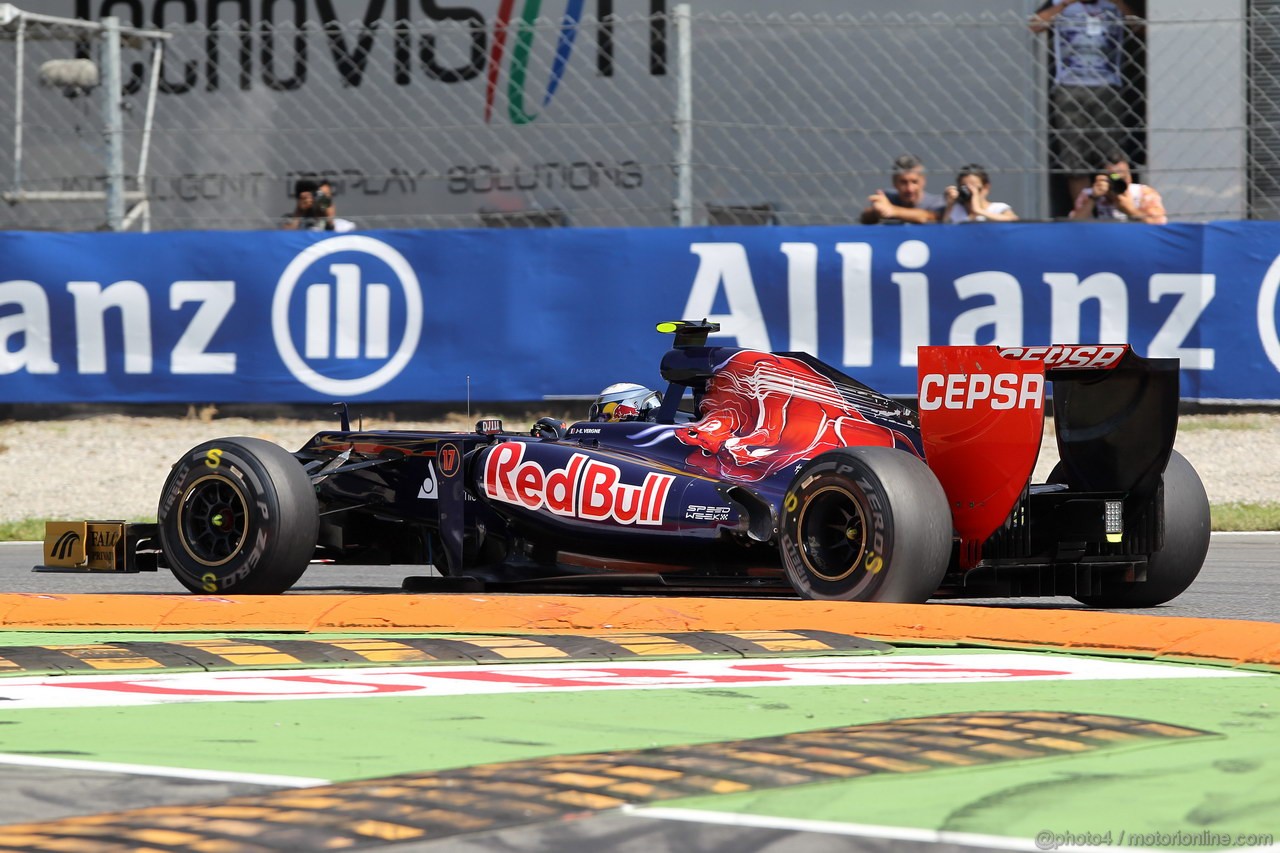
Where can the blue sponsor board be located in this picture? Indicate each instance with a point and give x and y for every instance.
(386, 316)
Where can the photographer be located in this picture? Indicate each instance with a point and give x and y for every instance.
(1115, 196)
(314, 209)
(968, 200)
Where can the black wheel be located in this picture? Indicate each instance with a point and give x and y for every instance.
(238, 515)
(1186, 542)
(866, 524)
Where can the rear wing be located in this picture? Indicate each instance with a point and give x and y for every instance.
(982, 418)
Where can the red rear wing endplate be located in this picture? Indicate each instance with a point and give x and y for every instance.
(982, 412)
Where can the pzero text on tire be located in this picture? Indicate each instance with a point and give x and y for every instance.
(1186, 543)
(866, 524)
(238, 515)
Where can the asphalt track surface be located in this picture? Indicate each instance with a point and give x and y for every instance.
(997, 753)
(1240, 580)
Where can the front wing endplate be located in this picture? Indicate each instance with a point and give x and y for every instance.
(90, 546)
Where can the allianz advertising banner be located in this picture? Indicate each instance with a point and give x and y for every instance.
(385, 316)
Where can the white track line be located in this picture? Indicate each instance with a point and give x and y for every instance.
(152, 770)
(898, 833)
(858, 673)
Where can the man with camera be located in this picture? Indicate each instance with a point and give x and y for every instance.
(1116, 197)
(314, 209)
(968, 200)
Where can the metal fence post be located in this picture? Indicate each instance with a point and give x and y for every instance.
(18, 82)
(684, 117)
(144, 205)
(1037, 117)
(114, 129)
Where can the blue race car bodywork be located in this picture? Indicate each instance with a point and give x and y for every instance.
(769, 472)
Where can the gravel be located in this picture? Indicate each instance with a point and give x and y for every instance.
(113, 466)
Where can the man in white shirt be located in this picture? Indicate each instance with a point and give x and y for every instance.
(1115, 196)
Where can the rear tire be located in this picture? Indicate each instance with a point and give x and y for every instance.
(866, 524)
(238, 515)
(1186, 542)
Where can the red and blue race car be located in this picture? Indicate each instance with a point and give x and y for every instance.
(758, 472)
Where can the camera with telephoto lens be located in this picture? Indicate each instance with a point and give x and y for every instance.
(321, 203)
(964, 195)
(1118, 183)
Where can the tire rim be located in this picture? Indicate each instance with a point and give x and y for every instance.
(833, 534)
(213, 520)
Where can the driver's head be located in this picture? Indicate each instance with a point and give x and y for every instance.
(625, 401)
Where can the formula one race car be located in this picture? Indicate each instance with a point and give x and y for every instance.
(759, 472)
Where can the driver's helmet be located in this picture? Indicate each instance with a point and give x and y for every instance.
(626, 401)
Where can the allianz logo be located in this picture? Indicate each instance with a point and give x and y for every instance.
(347, 312)
(344, 316)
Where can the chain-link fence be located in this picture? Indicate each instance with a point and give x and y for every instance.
(616, 120)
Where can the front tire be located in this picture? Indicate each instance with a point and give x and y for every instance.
(1186, 542)
(866, 524)
(238, 515)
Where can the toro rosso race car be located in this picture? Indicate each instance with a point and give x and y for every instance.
(754, 472)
